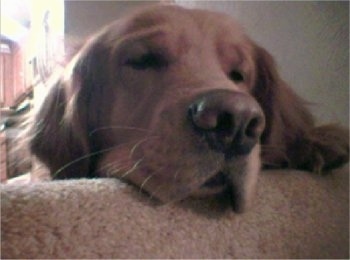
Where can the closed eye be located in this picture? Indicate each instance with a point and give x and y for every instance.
(148, 60)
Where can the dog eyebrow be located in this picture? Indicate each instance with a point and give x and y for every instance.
(145, 35)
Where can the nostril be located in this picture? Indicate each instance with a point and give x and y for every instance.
(202, 117)
(224, 122)
(252, 129)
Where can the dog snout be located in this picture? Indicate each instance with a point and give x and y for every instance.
(231, 122)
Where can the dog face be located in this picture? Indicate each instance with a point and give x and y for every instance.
(174, 101)
(183, 127)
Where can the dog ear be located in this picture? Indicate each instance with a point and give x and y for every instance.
(56, 138)
(59, 135)
(291, 138)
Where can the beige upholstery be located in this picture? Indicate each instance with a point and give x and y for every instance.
(295, 215)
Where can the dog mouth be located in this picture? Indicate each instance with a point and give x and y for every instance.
(221, 184)
(218, 181)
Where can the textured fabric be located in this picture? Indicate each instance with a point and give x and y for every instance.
(295, 215)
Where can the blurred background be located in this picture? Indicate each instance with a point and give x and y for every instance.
(309, 40)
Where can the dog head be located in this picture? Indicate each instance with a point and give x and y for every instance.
(174, 101)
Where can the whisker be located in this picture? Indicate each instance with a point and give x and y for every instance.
(118, 165)
(150, 176)
(125, 158)
(112, 167)
(117, 127)
(112, 172)
(176, 174)
(87, 156)
(121, 159)
(152, 194)
(137, 145)
(133, 168)
(145, 181)
(82, 158)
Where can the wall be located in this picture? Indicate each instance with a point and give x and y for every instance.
(310, 42)
(85, 17)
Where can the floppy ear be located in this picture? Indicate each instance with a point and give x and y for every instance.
(56, 138)
(291, 138)
(59, 135)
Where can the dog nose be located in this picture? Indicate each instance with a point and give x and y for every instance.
(231, 122)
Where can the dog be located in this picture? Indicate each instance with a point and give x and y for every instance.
(180, 103)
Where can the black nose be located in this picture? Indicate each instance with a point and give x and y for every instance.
(231, 122)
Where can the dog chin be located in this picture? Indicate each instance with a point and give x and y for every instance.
(223, 184)
(237, 180)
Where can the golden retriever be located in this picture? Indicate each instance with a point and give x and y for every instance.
(179, 102)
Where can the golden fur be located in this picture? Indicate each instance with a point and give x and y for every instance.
(120, 109)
